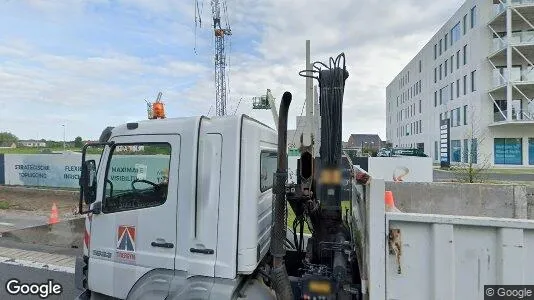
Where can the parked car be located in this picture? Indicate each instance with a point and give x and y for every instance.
(408, 152)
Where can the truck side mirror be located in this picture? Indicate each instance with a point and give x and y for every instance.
(88, 181)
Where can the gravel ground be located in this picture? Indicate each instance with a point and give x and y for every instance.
(36, 201)
(448, 176)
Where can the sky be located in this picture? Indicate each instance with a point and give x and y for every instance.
(89, 64)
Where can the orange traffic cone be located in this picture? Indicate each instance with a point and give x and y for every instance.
(54, 217)
(390, 202)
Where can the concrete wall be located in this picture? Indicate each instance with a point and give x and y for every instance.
(530, 203)
(484, 200)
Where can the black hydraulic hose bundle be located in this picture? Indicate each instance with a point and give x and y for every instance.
(279, 276)
(331, 80)
(332, 87)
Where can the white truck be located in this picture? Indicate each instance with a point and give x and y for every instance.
(194, 208)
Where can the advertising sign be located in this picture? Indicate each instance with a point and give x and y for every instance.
(53, 170)
(63, 170)
(445, 141)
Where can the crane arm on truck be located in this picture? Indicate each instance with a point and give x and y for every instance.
(325, 268)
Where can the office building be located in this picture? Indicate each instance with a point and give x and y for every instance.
(478, 72)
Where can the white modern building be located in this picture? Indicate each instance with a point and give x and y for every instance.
(478, 72)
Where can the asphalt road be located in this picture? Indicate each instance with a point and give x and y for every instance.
(35, 275)
(447, 176)
(11, 220)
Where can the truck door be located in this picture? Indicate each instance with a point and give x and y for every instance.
(203, 251)
(136, 230)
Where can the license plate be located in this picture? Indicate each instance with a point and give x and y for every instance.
(320, 287)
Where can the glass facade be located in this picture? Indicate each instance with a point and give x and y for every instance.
(508, 151)
(531, 151)
(455, 33)
(456, 150)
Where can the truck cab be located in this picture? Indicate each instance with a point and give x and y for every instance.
(178, 209)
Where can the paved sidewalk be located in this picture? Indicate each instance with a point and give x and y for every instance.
(35, 259)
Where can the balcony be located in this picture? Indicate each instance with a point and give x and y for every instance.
(526, 88)
(523, 40)
(517, 116)
(524, 7)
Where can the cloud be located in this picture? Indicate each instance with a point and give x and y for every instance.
(94, 61)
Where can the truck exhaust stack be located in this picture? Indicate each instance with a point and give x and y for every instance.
(279, 276)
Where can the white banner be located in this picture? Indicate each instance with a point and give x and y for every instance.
(63, 170)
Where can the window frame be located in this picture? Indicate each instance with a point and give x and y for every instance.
(262, 152)
(473, 16)
(465, 25)
(108, 164)
(473, 81)
(465, 54)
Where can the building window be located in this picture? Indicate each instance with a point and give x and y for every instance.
(473, 16)
(531, 151)
(456, 150)
(452, 61)
(458, 59)
(440, 47)
(420, 126)
(435, 150)
(446, 64)
(465, 155)
(441, 96)
(435, 98)
(446, 39)
(465, 24)
(465, 55)
(474, 151)
(457, 88)
(458, 117)
(440, 71)
(453, 117)
(420, 66)
(435, 75)
(435, 51)
(455, 33)
(473, 81)
(465, 84)
(452, 90)
(508, 151)
(465, 114)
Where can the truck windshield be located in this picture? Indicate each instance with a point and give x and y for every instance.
(136, 176)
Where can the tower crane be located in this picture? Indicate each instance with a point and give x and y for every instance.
(220, 58)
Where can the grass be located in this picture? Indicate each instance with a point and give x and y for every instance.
(291, 215)
(518, 171)
(4, 205)
(512, 171)
(29, 150)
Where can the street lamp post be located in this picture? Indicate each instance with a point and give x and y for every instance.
(64, 146)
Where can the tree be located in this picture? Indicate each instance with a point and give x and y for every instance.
(78, 143)
(474, 163)
(8, 137)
